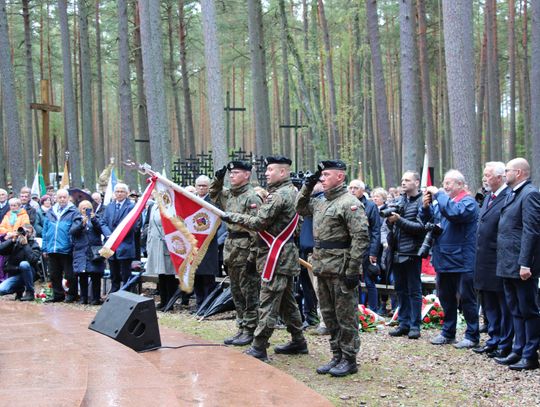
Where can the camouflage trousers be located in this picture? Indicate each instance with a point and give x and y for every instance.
(277, 301)
(340, 315)
(245, 293)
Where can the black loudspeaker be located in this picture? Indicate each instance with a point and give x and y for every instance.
(129, 319)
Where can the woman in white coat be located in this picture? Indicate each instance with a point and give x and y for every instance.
(159, 261)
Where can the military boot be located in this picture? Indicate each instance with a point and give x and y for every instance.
(259, 353)
(293, 348)
(324, 369)
(230, 340)
(245, 339)
(345, 367)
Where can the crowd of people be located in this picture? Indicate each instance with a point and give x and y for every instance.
(484, 252)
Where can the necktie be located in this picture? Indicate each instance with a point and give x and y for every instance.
(491, 199)
(117, 207)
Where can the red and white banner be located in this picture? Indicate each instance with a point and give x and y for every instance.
(118, 234)
(189, 227)
(276, 245)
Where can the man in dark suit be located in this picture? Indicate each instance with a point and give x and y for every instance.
(499, 319)
(4, 205)
(518, 263)
(120, 262)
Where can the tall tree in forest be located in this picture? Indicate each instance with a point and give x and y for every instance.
(154, 85)
(286, 100)
(493, 94)
(263, 134)
(458, 50)
(357, 96)
(70, 117)
(425, 85)
(512, 77)
(9, 93)
(174, 82)
(535, 89)
(381, 104)
(335, 140)
(213, 79)
(86, 98)
(411, 133)
(100, 139)
(30, 95)
(143, 153)
(124, 92)
(188, 110)
(3, 169)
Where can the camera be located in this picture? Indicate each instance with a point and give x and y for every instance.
(432, 232)
(394, 207)
(21, 231)
(88, 212)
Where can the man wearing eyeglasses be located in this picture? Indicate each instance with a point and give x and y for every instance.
(518, 263)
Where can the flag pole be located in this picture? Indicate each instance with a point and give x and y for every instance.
(146, 169)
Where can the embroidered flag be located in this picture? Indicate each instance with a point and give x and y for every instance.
(38, 186)
(110, 187)
(189, 228)
(64, 184)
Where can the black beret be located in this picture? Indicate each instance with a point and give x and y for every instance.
(277, 159)
(332, 165)
(239, 165)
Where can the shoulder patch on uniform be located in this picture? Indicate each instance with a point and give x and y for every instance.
(253, 206)
(354, 208)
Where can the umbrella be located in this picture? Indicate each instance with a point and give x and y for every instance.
(78, 195)
(218, 289)
(222, 303)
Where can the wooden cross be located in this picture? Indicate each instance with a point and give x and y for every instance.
(45, 108)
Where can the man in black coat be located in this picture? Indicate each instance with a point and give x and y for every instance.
(499, 319)
(4, 205)
(405, 239)
(22, 256)
(518, 263)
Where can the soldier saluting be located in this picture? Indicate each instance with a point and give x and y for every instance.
(277, 260)
(239, 249)
(340, 232)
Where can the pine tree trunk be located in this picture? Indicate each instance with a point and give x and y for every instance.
(214, 88)
(492, 86)
(458, 47)
(143, 149)
(86, 99)
(70, 115)
(127, 142)
(512, 77)
(335, 140)
(30, 97)
(410, 95)
(535, 90)
(263, 134)
(174, 82)
(357, 101)
(526, 102)
(154, 84)
(286, 103)
(188, 110)
(427, 106)
(383, 124)
(480, 99)
(3, 169)
(99, 146)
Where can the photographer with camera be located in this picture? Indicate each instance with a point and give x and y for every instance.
(406, 233)
(22, 256)
(453, 255)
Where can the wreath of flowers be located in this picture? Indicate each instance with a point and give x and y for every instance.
(368, 320)
(432, 312)
(44, 294)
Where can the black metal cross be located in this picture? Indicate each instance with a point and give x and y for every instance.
(294, 126)
(228, 108)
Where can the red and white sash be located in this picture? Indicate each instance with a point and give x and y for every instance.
(276, 245)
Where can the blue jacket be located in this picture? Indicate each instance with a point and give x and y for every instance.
(455, 249)
(56, 237)
(84, 237)
(110, 221)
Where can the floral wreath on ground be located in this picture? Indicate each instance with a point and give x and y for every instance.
(368, 320)
(432, 313)
(45, 293)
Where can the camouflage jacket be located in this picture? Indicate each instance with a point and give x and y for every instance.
(244, 199)
(337, 217)
(273, 216)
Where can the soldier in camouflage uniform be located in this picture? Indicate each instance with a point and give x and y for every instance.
(239, 250)
(277, 295)
(340, 232)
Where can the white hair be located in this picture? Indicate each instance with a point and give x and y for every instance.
(497, 167)
(455, 175)
(359, 184)
(202, 178)
(121, 185)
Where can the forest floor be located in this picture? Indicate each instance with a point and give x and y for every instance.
(391, 371)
